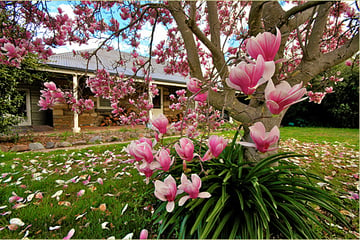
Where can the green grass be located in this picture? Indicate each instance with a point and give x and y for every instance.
(315, 134)
(332, 135)
(32, 172)
(43, 172)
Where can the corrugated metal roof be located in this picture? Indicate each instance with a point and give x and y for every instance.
(107, 60)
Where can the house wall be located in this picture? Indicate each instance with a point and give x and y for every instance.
(61, 116)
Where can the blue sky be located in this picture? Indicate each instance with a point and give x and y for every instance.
(66, 6)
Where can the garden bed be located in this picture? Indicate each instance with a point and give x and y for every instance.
(21, 141)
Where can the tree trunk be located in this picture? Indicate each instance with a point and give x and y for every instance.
(264, 16)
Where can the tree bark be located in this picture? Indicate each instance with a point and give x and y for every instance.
(193, 57)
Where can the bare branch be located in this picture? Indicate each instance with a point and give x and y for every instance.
(298, 9)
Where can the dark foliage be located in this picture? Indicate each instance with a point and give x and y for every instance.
(339, 109)
(11, 98)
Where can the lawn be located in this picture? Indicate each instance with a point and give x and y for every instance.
(92, 192)
(311, 134)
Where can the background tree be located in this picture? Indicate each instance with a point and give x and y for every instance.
(341, 104)
(11, 99)
(204, 38)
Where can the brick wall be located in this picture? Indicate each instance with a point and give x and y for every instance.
(63, 117)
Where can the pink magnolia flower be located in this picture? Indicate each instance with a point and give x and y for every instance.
(160, 123)
(12, 51)
(201, 97)
(141, 151)
(265, 44)
(167, 191)
(247, 77)
(50, 86)
(147, 169)
(147, 140)
(282, 96)
(192, 188)
(262, 140)
(144, 234)
(185, 149)
(348, 62)
(89, 104)
(316, 97)
(216, 145)
(329, 90)
(164, 159)
(193, 85)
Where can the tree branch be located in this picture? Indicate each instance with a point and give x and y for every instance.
(214, 23)
(226, 100)
(298, 9)
(308, 69)
(214, 44)
(313, 44)
(187, 35)
(255, 15)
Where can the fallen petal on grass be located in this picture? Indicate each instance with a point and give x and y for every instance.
(128, 236)
(17, 221)
(54, 228)
(57, 194)
(80, 193)
(70, 234)
(80, 216)
(102, 207)
(124, 209)
(103, 225)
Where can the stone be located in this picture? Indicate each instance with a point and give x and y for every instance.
(49, 145)
(62, 144)
(20, 148)
(36, 146)
(112, 138)
(4, 148)
(133, 135)
(95, 139)
(80, 142)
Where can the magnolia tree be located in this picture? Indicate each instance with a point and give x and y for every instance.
(251, 60)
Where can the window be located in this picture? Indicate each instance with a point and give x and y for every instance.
(103, 103)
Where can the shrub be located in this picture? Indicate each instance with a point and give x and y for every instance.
(269, 199)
